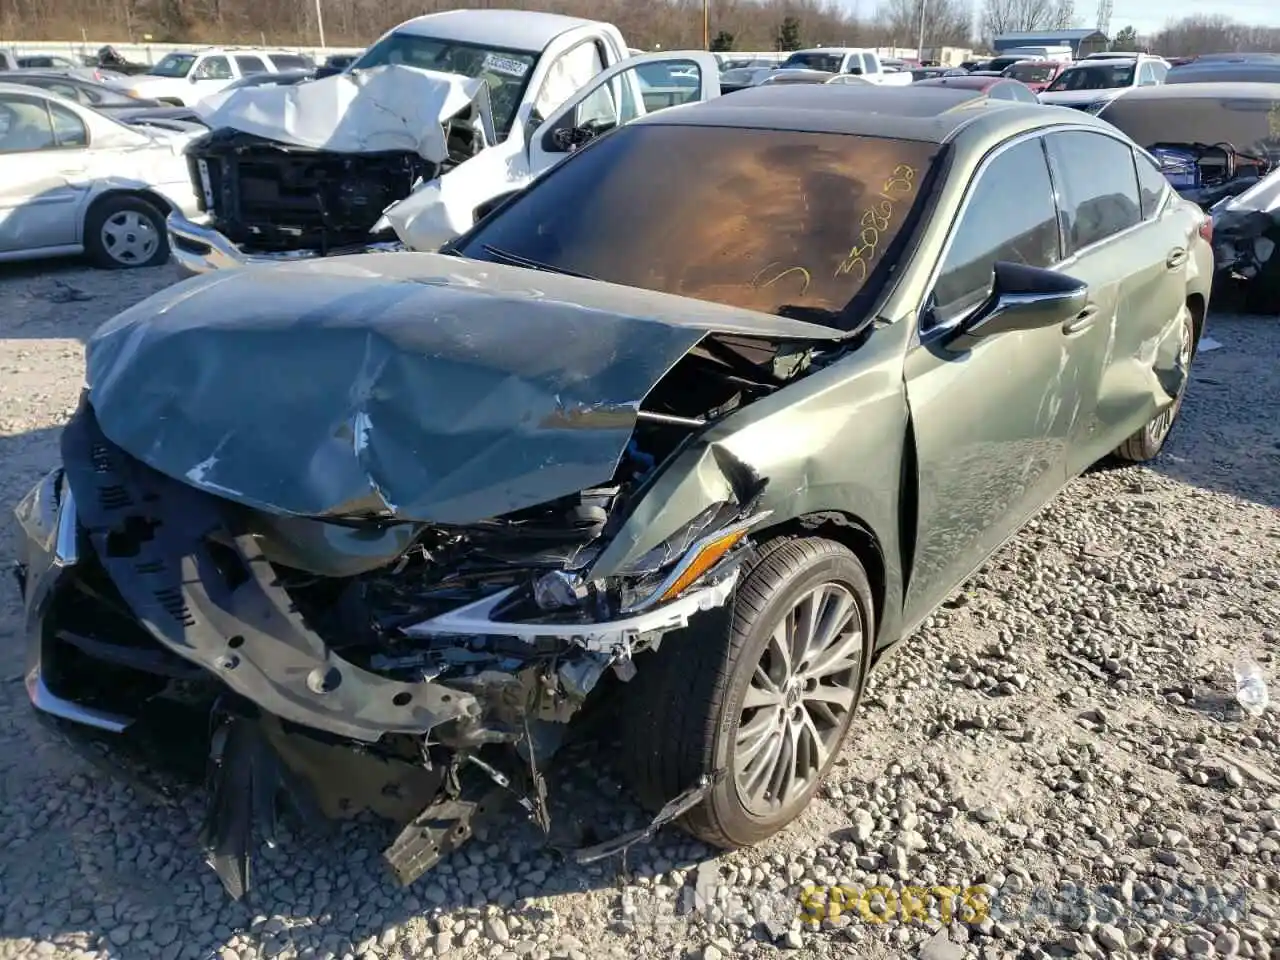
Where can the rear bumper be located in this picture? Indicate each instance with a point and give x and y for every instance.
(199, 249)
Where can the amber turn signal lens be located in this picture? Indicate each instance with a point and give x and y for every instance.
(704, 561)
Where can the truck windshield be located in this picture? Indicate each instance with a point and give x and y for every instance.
(173, 65)
(790, 223)
(828, 62)
(506, 71)
(1098, 76)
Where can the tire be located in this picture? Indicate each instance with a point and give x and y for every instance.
(125, 231)
(685, 704)
(1147, 443)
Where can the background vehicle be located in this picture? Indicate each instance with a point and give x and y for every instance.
(336, 63)
(184, 78)
(740, 78)
(996, 88)
(1035, 74)
(553, 83)
(99, 96)
(1002, 63)
(1091, 85)
(46, 62)
(854, 60)
(789, 522)
(1238, 70)
(929, 73)
(74, 181)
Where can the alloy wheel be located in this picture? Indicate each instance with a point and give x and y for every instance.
(129, 238)
(1160, 425)
(797, 704)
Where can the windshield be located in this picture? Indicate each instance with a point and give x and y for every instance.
(506, 71)
(173, 65)
(1094, 77)
(1031, 72)
(778, 221)
(830, 62)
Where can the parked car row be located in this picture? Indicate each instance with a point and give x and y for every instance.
(351, 522)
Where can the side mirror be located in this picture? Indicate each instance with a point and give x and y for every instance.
(191, 77)
(1022, 298)
(854, 71)
(568, 139)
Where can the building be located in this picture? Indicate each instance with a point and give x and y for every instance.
(1081, 42)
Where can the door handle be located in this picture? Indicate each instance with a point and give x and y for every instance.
(1176, 258)
(1081, 321)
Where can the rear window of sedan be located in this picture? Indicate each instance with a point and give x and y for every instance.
(783, 222)
(1094, 77)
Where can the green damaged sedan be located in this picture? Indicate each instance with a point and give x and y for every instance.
(690, 432)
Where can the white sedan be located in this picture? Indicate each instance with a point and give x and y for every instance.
(74, 181)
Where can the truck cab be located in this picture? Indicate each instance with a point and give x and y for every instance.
(857, 61)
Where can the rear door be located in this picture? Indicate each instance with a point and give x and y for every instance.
(1132, 251)
(991, 425)
(616, 97)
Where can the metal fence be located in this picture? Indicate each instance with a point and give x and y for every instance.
(142, 52)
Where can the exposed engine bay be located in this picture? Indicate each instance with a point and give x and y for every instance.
(270, 196)
(421, 671)
(1208, 173)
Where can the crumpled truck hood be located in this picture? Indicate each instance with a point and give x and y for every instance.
(364, 111)
(423, 386)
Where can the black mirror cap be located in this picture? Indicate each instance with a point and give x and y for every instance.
(1022, 298)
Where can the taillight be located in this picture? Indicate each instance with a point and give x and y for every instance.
(1206, 229)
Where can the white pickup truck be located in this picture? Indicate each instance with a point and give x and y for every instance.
(852, 60)
(438, 118)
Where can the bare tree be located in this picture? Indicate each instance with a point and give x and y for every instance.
(946, 22)
(1017, 16)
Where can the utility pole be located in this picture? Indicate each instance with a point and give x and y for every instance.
(920, 47)
(320, 24)
(706, 24)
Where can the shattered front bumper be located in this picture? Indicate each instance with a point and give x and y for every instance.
(290, 718)
(199, 249)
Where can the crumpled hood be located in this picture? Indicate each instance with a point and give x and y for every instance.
(363, 111)
(427, 386)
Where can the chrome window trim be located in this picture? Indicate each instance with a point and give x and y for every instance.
(922, 335)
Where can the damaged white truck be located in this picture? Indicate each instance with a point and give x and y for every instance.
(439, 119)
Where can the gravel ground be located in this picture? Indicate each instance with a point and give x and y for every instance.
(1060, 743)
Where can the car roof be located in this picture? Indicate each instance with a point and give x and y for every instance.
(1103, 62)
(1191, 91)
(512, 29)
(931, 114)
(49, 73)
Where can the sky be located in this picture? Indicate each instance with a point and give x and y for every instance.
(1148, 16)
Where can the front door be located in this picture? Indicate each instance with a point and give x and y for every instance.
(622, 93)
(42, 174)
(991, 425)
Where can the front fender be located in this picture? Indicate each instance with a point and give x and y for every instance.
(833, 441)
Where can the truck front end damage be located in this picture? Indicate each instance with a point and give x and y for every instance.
(302, 171)
(344, 623)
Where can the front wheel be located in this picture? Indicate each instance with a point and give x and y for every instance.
(125, 231)
(1147, 443)
(760, 697)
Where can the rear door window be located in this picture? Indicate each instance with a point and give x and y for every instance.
(213, 68)
(1151, 184)
(1009, 216)
(248, 65)
(1098, 186)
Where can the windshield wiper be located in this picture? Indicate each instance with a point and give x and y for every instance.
(515, 260)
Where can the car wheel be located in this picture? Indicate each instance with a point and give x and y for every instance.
(124, 231)
(759, 698)
(1147, 443)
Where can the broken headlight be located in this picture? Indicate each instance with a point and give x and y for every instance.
(666, 571)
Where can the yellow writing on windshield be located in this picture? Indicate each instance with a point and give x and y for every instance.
(875, 221)
(778, 272)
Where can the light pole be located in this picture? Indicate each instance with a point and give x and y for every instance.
(919, 49)
(320, 24)
(706, 24)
